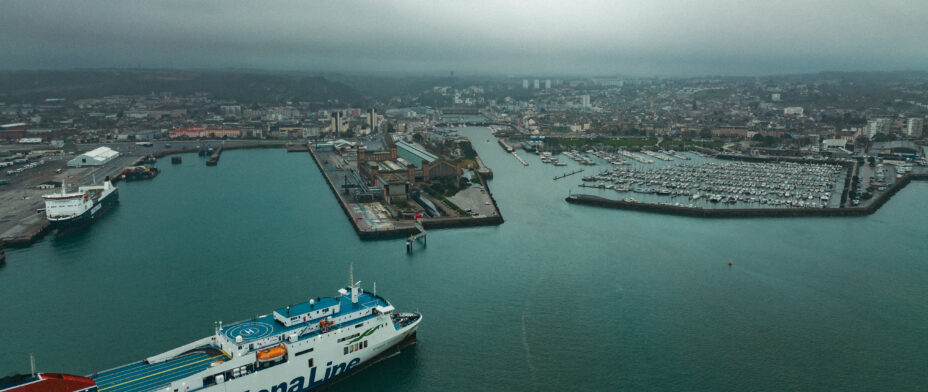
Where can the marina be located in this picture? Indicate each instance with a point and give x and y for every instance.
(693, 183)
(693, 211)
(770, 184)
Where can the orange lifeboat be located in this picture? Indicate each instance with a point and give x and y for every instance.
(272, 353)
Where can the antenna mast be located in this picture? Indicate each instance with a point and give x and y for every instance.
(354, 285)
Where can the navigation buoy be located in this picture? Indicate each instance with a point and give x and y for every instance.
(729, 264)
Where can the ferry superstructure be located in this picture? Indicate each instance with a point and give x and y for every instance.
(81, 207)
(295, 348)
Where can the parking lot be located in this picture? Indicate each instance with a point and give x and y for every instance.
(475, 200)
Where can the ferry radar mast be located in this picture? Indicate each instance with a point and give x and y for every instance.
(355, 286)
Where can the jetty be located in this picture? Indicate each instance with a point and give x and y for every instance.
(421, 235)
(524, 163)
(505, 146)
(567, 174)
(214, 159)
(297, 147)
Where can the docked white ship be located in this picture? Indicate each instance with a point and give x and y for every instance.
(295, 348)
(81, 207)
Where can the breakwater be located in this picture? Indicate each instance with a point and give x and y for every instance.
(597, 201)
(404, 229)
(748, 158)
(231, 146)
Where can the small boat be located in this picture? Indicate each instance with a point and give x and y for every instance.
(272, 353)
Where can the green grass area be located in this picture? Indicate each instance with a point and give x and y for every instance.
(572, 142)
(710, 144)
(477, 179)
(712, 94)
(607, 142)
(447, 202)
(629, 142)
(452, 206)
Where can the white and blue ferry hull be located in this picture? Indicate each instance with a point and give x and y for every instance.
(100, 207)
(297, 376)
(295, 349)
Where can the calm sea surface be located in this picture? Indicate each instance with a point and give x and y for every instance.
(560, 297)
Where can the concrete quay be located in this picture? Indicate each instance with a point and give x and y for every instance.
(358, 214)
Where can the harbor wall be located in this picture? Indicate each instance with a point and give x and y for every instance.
(597, 201)
(341, 201)
(747, 158)
(234, 146)
(31, 234)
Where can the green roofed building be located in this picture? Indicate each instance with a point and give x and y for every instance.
(415, 154)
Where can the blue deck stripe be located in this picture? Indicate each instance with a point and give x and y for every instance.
(162, 380)
(139, 366)
(157, 381)
(143, 369)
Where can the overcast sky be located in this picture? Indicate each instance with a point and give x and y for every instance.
(620, 37)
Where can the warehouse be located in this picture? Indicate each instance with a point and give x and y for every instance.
(95, 157)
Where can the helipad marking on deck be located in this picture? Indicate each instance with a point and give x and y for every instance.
(250, 330)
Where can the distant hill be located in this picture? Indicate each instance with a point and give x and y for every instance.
(29, 86)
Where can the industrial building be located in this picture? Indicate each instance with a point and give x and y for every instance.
(407, 161)
(414, 153)
(96, 157)
(896, 147)
(914, 127)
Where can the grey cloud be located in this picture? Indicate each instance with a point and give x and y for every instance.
(580, 37)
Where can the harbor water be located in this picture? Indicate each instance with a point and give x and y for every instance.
(559, 297)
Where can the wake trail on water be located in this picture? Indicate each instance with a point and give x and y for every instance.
(525, 346)
(528, 351)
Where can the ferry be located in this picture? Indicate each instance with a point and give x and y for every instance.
(77, 208)
(296, 348)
